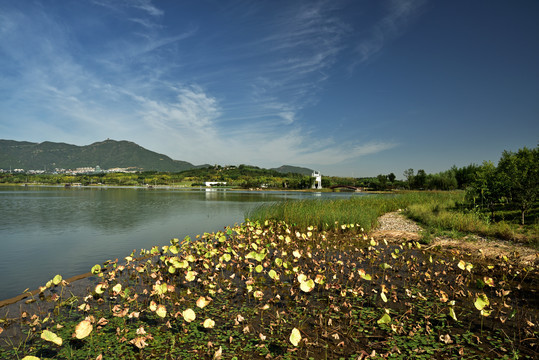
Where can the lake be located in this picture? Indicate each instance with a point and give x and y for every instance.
(46, 231)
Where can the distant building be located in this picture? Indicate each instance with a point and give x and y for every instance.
(211, 183)
(317, 180)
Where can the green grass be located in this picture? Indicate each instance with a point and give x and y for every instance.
(439, 212)
(324, 214)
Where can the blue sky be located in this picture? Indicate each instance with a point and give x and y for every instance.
(350, 88)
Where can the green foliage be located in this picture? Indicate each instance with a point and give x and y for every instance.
(513, 183)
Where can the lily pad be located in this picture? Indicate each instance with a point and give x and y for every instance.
(295, 337)
(52, 337)
(83, 329)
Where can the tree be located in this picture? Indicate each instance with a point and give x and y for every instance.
(518, 175)
(391, 177)
(409, 175)
(420, 179)
(485, 191)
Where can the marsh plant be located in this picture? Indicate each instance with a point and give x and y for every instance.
(266, 289)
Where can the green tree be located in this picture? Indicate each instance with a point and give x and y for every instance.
(518, 175)
(409, 175)
(420, 180)
(485, 191)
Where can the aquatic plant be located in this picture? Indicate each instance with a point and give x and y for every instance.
(267, 289)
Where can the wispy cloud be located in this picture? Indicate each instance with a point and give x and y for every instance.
(143, 96)
(399, 14)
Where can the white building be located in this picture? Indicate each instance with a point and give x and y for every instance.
(317, 180)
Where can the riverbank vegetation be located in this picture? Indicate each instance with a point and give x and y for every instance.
(269, 290)
(439, 212)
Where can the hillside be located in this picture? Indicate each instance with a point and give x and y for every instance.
(107, 154)
(288, 169)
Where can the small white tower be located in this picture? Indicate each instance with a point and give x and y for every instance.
(317, 180)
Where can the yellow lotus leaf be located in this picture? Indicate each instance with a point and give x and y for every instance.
(295, 337)
(83, 329)
(161, 311)
(52, 337)
(57, 279)
(307, 286)
(384, 319)
(190, 276)
(209, 323)
(117, 288)
(189, 315)
(202, 302)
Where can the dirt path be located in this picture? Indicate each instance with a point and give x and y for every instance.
(395, 226)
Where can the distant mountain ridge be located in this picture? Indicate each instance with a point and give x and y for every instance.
(105, 154)
(285, 169)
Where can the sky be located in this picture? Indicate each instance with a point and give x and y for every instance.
(347, 87)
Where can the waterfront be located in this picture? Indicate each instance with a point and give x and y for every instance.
(46, 231)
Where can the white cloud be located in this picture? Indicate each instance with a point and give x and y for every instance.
(398, 16)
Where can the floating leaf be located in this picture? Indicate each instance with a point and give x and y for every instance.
(96, 269)
(227, 257)
(190, 276)
(83, 329)
(117, 288)
(100, 288)
(302, 278)
(30, 357)
(259, 268)
(202, 302)
(52, 337)
(161, 311)
(209, 323)
(383, 296)
(384, 319)
(489, 281)
(462, 264)
(481, 301)
(273, 274)
(189, 315)
(295, 337)
(366, 277)
(57, 279)
(307, 286)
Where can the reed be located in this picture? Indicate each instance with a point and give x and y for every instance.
(327, 214)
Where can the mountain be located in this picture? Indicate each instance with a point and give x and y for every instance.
(107, 154)
(285, 169)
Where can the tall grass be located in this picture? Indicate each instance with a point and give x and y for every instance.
(324, 214)
(437, 211)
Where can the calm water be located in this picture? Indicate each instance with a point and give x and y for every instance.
(46, 231)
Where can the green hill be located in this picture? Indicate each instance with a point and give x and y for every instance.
(107, 154)
(286, 169)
